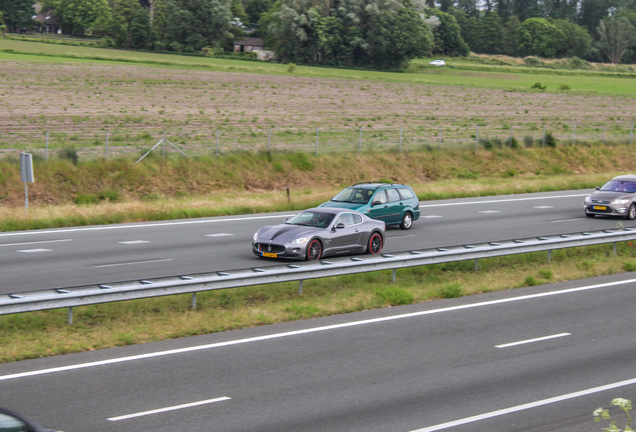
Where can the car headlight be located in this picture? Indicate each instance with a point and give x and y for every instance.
(588, 199)
(255, 235)
(299, 241)
(621, 201)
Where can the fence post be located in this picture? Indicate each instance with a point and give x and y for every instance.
(631, 134)
(360, 141)
(317, 139)
(269, 140)
(46, 151)
(163, 145)
(106, 150)
(510, 142)
(476, 138)
(573, 134)
(216, 151)
(440, 138)
(603, 136)
(543, 142)
(400, 148)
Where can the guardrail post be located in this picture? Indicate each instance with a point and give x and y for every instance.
(300, 287)
(476, 265)
(614, 248)
(394, 275)
(194, 300)
(549, 256)
(69, 318)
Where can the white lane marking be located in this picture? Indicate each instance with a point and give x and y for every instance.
(149, 225)
(133, 263)
(543, 207)
(219, 235)
(35, 242)
(312, 330)
(132, 242)
(430, 216)
(172, 408)
(33, 250)
(489, 211)
(566, 220)
(528, 406)
(401, 236)
(502, 200)
(539, 339)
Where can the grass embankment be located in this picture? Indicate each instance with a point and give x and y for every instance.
(97, 191)
(244, 183)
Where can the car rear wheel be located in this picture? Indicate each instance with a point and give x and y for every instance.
(314, 250)
(407, 221)
(631, 212)
(375, 244)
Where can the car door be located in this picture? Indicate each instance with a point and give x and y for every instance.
(346, 237)
(396, 206)
(379, 208)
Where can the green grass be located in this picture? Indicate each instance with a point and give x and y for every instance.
(511, 77)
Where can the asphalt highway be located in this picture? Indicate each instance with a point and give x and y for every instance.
(58, 258)
(535, 359)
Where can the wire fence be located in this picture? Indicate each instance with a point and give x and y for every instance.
(217, 142)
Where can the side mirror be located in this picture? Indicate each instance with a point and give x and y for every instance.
(598, 188)
(339, 226)
(286, 219)
(375, 203)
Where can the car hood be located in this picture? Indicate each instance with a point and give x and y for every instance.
(285, 233)
(344, 205)
(608, 195)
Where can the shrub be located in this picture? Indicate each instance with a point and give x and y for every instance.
(109, 195)
(394, 296)
(629, 266)
(300, 161)
(539, 86)
(550, 141)
(532, 61)
(68, 153)
(530, 281)
(546, 274)
(291, 67)
(528, 141)
(513, 143)
(84, 199)
(450, 291)
(564, 87)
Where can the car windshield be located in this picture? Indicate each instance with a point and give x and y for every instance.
(354, 195)
(312, 219)
(620, 186)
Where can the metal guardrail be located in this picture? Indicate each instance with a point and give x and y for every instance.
(292, 271)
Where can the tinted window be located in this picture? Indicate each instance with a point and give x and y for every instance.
(357, 219)
(11, 424)
(346, 219)
(406, 193)
(314, 219)
(354, 195)
(619, 186)
(379, 196)
(393, 195)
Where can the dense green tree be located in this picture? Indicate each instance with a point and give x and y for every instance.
(571, 40)
(190, 25)
(78, 16)
(591, 12)
(492, 33)
(17, 14)
(255, 8)
(447, 35)
(130, 25)
(616, 36)
(510, 31)
(536, 37)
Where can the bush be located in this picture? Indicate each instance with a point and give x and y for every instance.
(530, 281)
(450, 291)
(69, 153)
(528, 141)
(291, 67)
(550, 141)
(394, 296)
(84, 199)
(532, 61)
(109, 195)
(629, 266)
(513, 143)
(539, 86)
(564, 87)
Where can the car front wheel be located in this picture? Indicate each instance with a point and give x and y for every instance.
(407, 221)
(589, 215)
(631, 212)
(314, 250)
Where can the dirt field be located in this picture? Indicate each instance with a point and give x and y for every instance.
(79, 102)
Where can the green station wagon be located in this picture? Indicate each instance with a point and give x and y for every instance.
(395, 204)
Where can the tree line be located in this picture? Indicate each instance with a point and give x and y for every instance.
(378, 34)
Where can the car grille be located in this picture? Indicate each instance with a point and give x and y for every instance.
(600, 202)
(271, 248)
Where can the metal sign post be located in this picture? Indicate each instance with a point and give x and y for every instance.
(26, 175)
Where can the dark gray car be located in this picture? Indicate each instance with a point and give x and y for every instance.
(320, 232)
(13, 422)
(615, 198)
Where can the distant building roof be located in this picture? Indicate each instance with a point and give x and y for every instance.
(251, 41)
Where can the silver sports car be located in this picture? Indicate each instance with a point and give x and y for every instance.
(320, 232)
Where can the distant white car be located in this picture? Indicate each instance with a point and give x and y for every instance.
(438, 63)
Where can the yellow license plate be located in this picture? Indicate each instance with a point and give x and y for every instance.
(269, 255)
(600, 208)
